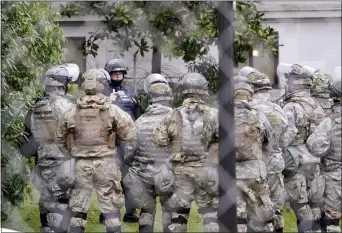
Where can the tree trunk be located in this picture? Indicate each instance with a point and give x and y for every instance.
(156, 60)
(135, 71)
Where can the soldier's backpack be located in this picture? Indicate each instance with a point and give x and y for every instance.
(45, 122)
(247, 134)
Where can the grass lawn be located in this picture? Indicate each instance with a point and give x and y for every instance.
(26, 218)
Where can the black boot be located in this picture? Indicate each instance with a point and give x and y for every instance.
(279, 230)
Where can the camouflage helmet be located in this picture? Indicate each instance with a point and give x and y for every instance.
(94, 80)
(154, 78)
(295, 75)
(194, 83)
(61, 75)
(335, 83)
(320, 82)
(258, 80)
(242, 84)
(159, 92)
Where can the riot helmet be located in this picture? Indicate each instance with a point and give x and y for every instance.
(117, 70)
(58, 77)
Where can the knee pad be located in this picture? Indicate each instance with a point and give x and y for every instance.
(59, 218)
(241, 224)
(278, 221)
(111, 221)
(108, 216)
(302, 211)
(146, 217)
(178, 215)
(146, 221)
(78, 229)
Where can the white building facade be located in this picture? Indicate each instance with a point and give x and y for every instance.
(309, 32)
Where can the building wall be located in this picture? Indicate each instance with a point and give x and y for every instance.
(310, 33)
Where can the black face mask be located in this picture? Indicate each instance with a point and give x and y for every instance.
(116, 83)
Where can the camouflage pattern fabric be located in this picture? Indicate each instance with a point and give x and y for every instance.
(49, 160)
(144, 159)
(320, 91)
(95, 164)
(102, 174)
(254, 205)
(188, 187)
(277, 195)
(255, 209)
(125, 127)
(190, 172)
(304, 114)
(325, 142)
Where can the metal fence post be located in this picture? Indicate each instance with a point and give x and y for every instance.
(227, 208)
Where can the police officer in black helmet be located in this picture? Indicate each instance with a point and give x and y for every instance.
(124, 97)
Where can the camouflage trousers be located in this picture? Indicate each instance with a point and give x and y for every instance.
(53, 203)
(144, 194)
(312, 173)
(55, 215)
(277, 195)
(254, 206)
(191, 184)
(297, 195)
(332, 204)
(104, 175)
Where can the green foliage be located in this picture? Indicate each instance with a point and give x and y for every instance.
(166, 25)
(30, 42)
(208, 67)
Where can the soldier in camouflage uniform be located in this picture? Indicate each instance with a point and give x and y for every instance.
(255, 211)
(320, 89)
(272, 157)
(54, 198)
(145, 159)
(191, 129)
(325, 142)
(304, 113)
(90, 127)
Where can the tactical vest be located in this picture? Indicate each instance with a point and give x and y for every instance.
(332, 161)
(147, 151)
(274, 117)
(45, 121)
(313, 115)
(91, 127)
(326, 104)
(192, 121)
(125, 102)
(248, 139)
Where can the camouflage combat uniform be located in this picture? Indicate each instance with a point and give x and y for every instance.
(90, 127)
(272, 156)
(320, 89)
(54, 198)
(325, 142)
(320, 92)
(252, 132)
(191, 129)
(145, 159)
(304, 114)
